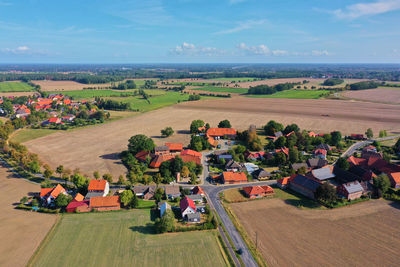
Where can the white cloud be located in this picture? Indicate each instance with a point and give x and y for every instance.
(193, 50)
(19, 50)
(243, 25)
(280, 53)
(318, 53)
(254, 50)
(365, 9)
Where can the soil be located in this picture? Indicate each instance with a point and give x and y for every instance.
(380, 95)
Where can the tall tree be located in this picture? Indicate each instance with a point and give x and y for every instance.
(140, 142)
(369, 133)
(224, 124)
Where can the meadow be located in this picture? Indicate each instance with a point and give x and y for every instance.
(125, 238)
(85, 94)
(222, 89)
(15, 87)
(295, 94)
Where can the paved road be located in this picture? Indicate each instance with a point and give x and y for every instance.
(215, 202)
(359, 145)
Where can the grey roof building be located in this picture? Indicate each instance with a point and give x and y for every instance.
(323, 174)
(193, 217)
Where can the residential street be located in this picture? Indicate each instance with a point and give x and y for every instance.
(358, 145)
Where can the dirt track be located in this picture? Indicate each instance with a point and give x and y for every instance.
(97, 148)
(364, 234)
(21, 231)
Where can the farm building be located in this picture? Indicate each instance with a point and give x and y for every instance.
(191, 153)
(261, 174)
(258, 191)
(193, 217)
(395, 179)
(234, 177)
(222, 133)
(316, 163)
(304, 185)
(351, 190)
(48, 195)
(105, 203)
(233, 166)
(174, 147)
(161, 150)
(143, 191)
(322, 174)
(78, 206)
(284, 182)
(99, 186)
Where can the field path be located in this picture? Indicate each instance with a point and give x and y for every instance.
(97, 147)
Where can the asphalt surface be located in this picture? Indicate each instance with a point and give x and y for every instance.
(359, 145)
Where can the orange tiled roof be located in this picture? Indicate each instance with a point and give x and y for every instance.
(79, 197)
(395, 176)
(54, 192)
(142, 155)
(257, 190)
(156, 162)
(110, 201)
(97, 185)
(197, 190)
(191, 152)
(234, 177)
(45, 191)
(174, 146)
(190, 158)
(221, 131)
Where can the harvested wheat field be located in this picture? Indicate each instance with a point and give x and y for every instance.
(21, 231)
(365, 234)
(47, 85)
(97, 147)
(380, 95)
(8, 94)
(312, 82)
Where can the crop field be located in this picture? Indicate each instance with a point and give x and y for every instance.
(97, 147)
(125, 238)
(85, 94)
(221, 89)
(15, 87)
(241, 79)
(289, 236)
(295, 94)
(381, 95)
(21, 231)
(311, 82)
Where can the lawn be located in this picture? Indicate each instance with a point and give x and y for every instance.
(222, 89)
(85, 94)
(15, 87)
(292, 198)
(295, 94)
(26, 134)
(125, 239)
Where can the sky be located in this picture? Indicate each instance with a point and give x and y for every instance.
(200, 31)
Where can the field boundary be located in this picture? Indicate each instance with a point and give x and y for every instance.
(45, 240)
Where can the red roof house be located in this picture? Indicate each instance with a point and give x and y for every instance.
(284, 182)
(197, 191)
(191, 152)
(221, 132)
(234, 177)
(99, 186)
(258, 191)
(81, 206)
(156, 162)
(395, 179)
(48, 195)
(105, 203)
(187, 206)
(190, 158)
(142, 155)
(175, 147)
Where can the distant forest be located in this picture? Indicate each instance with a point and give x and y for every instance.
(91, 74)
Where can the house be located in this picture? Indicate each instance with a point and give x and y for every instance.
(68, 118)
(163, 206)
(324, 146)
(143, 155)
(297, 166)
(190, 158)
(304, 185)
(316, 163)
(198, 191)
(322, 174)
(258, 191)
(161, 150)
(369, 148)
(212, 141)
(233, 166)
(99, 186)
(254, 156)
(284, 182)
(193, 217)
(53, 120)
(225, 157)
(187, 207)
(48, 195)
(222, 133)
(320, 153)
(174, 147)
(351, 190)
(105, 203)
(234, 177)
(357, 161)
(275, 136)
(196, 198)
(156, 162)
(191, 153)
(145, 192)
(395, 179)
(284, 150)
(22, 112)
(172, 192)
(78, 206)
(364, 173)
(261, 174)
(79, 197)
(365, 154)
(251, 167)
(357, 137)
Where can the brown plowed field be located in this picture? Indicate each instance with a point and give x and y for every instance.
(96, 148)
(381, 95)
(21, 231)
(365, 234)
(66, 85)
(7, 94)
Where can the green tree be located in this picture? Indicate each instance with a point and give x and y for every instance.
(195, 125)
(140, 142)
(342, 163)
(382, 183)
(293, 155)
(369, 133)
(326, 193)
(387, 157)
(96, 175)
(280, 158)
(168, 131)
(272, 127)
(108, 177)
(48, 173)
(185, 171)
(60, 170)
(80, 182)
(126, 198)
(62, 200)
(193, 178)
(224, 124)
(166, 223)
(336, 138)
(157, 178)
(280, 142)
(23, 200)
(34, 166)
(135, 201)
(158, 195)
(121, 179)
(176, 165)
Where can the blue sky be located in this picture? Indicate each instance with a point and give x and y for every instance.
(197, 31)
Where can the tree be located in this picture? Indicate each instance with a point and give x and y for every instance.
(157, 178)
(193, 178)
(195, 125)
(280, 142)
(135, 201)
(158, 195)
(127, 197)
(62, 200)
(34, 166)
(387, 157)
(382, 133)
(23, 200)
(140, 142)
(108, 177)
(60, 170)
(185, 171)
(176, 165)
(343, 164)
(291, 128)
(80, 182)
(293, 155)
(326, 193)
(121, 179)
(336, 137)
(48, 173)
(166, 223)
(369, 133)
(272, 127)
(168, 131)
(96, 175)
(224, 124)
(280, 158)
(382, 183)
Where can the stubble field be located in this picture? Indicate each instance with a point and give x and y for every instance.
(381, 95)
(364, 234)
(97, 147)
(21, 231)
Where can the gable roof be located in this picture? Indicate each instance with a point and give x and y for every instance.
(286, 180)
(161, 148)
(197, 190)
(79, 197)
(97, 185)
(395, 176)
(156, 162)
(57, 190)
(234, 177)
(296, 166)
(212, 142)
(74, 204)
(356, 161)
(257, 190)
(185, 203)
(353, 187)
(261, 173)
(172, 190)
(174, 146)
(109, 201)
(191, 152)
(319, 163)
(320, 151)
(45, 191)
(191, 158)
(323, 173)
(305, 182)
(221, 131)
(142, 155)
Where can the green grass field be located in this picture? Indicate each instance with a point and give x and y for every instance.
(222, 89)
(27, 134)
(295, 94)
(15, 87)
(241, 79)
(85, 94)
(124, 239)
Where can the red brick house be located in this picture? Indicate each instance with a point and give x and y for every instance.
(258, 191)
(351, 190)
